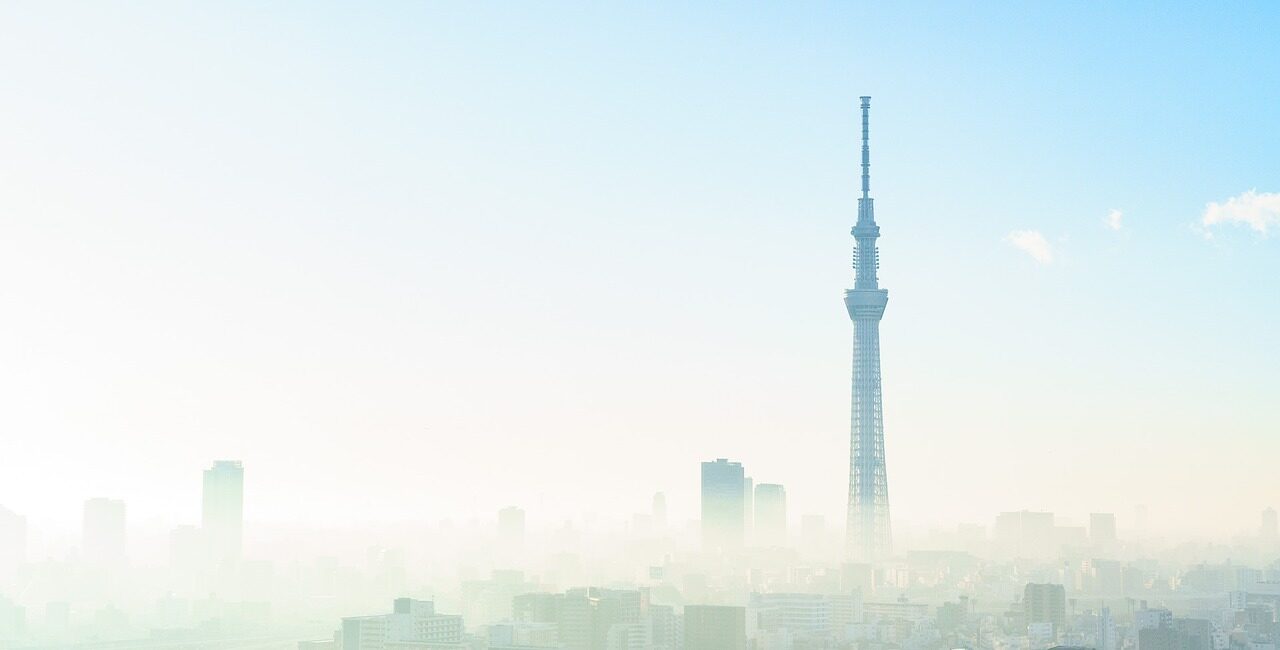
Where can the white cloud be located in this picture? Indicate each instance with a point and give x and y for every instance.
(1032, 243)
(1114, 219)
(1258, 211)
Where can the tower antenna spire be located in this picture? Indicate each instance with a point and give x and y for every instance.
(866, 147)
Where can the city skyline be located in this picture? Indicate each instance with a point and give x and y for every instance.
(148, 234)
(462, 326)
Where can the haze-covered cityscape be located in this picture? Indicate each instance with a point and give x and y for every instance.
(448, 326)
(747, 574)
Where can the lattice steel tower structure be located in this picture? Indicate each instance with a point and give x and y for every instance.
(867, 535)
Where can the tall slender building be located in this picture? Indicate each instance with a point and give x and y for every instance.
(222, 515)
(770, 521)
(867, 534)
(723, 505)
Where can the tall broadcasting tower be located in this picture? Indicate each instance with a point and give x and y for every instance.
(867, 536)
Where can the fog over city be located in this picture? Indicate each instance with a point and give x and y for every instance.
(512, 327)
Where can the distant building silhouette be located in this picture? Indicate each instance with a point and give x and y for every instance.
(511, 528)
(723, 504)
(770, 515)
(1102, 529)
(659, 511)
(222, 511)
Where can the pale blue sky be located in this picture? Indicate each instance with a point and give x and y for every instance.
(427, 259)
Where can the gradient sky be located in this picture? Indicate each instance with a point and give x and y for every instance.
(425, 260)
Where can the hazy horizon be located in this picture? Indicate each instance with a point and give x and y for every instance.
(428, 261)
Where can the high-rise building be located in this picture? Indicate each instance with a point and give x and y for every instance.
(1107, 637)
(1150, 619)
(715, 627)
(1158, 638)
(222, 511)
(667, 633)
(511, 527)
(104, 532)
(659, 511)
(748, 505)
(1045, 603)
(771, 515)
(867, 534)
(1102, 529)
(723, 504)
(952, 615)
